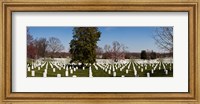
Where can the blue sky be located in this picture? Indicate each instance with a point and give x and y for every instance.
(135, 38)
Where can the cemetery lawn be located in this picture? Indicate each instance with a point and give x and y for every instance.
(101, 72)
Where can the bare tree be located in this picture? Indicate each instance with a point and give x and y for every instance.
(99, 52)
(55, 45)
(41, 44)
(29, 37)
(31, 49)
(164, 38)
(116, 52)
(107, 51)
(107, 48)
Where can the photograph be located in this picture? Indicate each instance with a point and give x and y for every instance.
(104, 51)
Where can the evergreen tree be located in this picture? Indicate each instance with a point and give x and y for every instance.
(143, 54)
(84, 43)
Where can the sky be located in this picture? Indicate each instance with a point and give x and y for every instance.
(135, 38)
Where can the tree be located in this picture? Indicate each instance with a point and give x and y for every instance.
(116, 52)
(164, 38)
(143, 54)
(99, 52)
(55, 45)
(84, 43)
(107, 53)
(41, 44)
(29, 37)
(31, 49)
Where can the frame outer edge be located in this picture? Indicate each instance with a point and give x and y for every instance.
(7, 15)
(197, 52)
(2, 45)
(1, 51)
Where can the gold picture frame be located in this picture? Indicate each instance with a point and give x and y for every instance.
(9, 6)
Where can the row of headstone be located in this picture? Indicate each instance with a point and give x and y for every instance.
(170, 66)
(123, 67)
(95, 66)
(135, 71)
(33, 66)
(110, 69)
(43, 64)
(165, 70)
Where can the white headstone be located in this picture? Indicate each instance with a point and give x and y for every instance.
(45, 70)
(114, 74)
(126, 71)
(47, 66)
(148, 74)
(152, 71)
(33, 73)
(39, 68)
(66, 73)
(106, 69)
(67, 68)
(58, 75)
(122, 76)
(44, 74)
(90, 68)
(90, 72)
(113, 69)
(97, 68)
(74, 76)
(54, 69)
(109, 71)
(135, 73)
(29, 69)
(83, 68)
(141, 69)
(166, 72)
(71, 71)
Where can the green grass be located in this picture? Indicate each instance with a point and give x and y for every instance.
(101, 73)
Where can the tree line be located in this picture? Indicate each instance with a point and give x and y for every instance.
(42, 47)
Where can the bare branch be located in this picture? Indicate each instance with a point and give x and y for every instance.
(164, 38)
(55, 45)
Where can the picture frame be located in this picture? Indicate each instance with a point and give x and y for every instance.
(192, 7)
